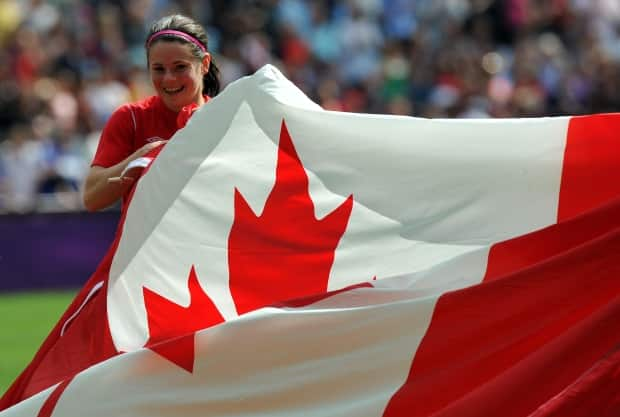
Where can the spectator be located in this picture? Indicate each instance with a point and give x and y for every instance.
(23, 162)
(70, 63)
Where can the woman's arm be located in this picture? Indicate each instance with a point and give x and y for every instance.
(104, 186)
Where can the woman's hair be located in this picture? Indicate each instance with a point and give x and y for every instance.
(188, 26)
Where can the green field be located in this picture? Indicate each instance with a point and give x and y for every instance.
(25, 321)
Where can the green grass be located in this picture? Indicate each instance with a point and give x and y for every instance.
(25, 321)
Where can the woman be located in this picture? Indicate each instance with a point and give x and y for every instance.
(184, 76)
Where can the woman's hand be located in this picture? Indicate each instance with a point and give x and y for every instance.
(104, 186)
(146, 149)
(127, 177)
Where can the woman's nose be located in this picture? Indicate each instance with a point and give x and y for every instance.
(168, 75)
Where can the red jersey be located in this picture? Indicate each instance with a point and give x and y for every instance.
(132, 126)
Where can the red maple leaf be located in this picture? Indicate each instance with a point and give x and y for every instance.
(286, 252)
(172, 327)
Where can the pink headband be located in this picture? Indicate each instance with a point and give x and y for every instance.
(178, 34)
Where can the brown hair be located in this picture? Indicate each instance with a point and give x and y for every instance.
(187, 25)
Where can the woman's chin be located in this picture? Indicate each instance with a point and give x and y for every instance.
(174, 103)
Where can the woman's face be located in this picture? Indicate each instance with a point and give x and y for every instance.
(177, 74)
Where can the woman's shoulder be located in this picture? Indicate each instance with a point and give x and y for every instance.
(129, 113)
(145, 104)
(146, 107)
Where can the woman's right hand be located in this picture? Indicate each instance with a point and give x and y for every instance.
(127, 177)
(145, 149)
(104, 186)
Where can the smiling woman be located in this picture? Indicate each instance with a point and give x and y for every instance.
(184, 77)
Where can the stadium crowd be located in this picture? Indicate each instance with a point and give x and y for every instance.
(67, 64)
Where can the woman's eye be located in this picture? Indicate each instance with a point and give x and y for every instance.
(158, 69)
(181, 67)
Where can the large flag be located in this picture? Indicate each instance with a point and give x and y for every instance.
(277, 259)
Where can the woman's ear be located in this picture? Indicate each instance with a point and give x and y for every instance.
(206, 61)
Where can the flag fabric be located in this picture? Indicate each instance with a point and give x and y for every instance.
(277, 259)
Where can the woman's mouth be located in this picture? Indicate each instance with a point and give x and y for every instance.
(173, 90)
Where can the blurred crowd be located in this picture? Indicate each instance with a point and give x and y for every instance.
(68, 64)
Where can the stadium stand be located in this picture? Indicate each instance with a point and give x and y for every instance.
(67, 64)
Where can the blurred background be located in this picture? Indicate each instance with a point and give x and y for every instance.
(66, 65)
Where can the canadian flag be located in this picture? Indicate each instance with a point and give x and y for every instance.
(278, 259)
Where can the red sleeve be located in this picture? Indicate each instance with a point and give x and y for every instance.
(117, 139)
